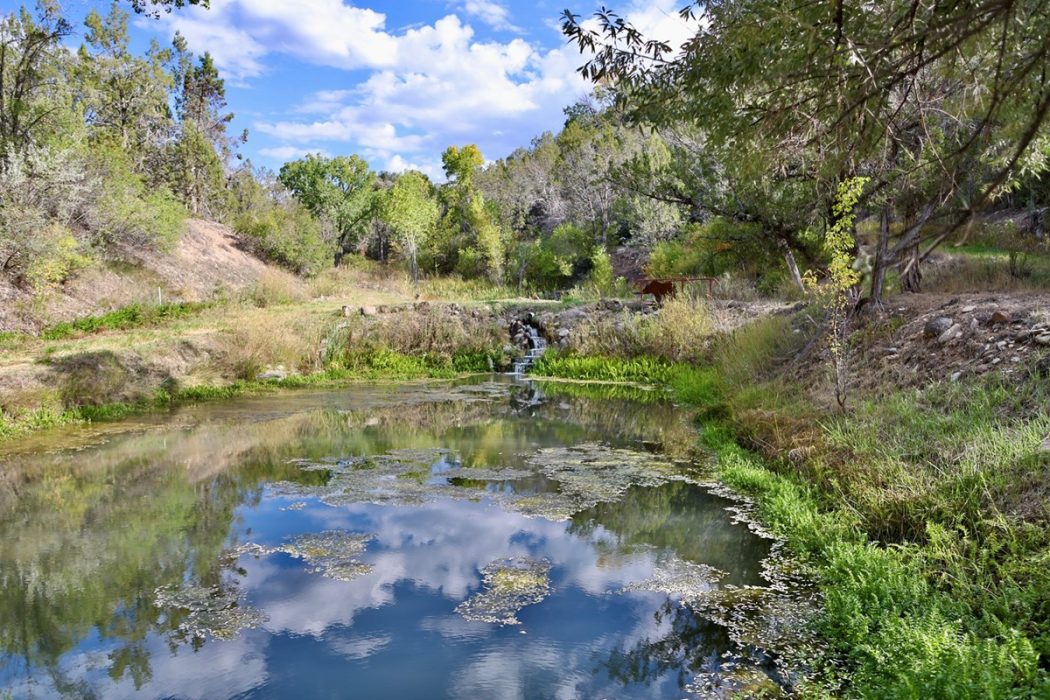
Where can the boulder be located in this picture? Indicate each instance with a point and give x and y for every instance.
(936, 327)
(273, 374)
(368, 311)
(953, 332)
(1000, 317)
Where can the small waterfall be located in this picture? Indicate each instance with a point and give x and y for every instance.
(537, 346)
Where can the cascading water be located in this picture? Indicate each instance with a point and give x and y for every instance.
(537, 346)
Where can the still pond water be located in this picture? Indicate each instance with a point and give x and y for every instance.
(481, 539)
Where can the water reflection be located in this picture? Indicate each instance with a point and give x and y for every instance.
(92, 531)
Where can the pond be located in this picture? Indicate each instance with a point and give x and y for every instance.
(487, 538)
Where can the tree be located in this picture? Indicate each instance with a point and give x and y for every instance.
(336, 190)
(468, 218)
(156, 7)
(125, 98)
(411, 210)
(31, 85)
(942, 102)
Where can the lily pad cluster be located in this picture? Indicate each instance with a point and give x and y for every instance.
(509, 585)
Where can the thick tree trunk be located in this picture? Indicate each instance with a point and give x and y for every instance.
(911, 275)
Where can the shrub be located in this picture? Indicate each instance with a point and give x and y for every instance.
(678, 332)
(600, 278)
(126, 210)
(720, 248)
(287, 235)
(267, 342)
(434, 335)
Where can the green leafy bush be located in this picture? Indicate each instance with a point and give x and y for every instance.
(287, 235)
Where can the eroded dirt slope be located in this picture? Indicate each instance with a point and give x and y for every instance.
(205, 261)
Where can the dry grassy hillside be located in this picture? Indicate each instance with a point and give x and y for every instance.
(206, 260)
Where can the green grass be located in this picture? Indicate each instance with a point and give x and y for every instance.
(126, 317)
(643, 370)
(697, 386)
(899, 634)
(11, 339)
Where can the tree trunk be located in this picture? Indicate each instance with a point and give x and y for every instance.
(881, 264)
(911, 275)
(789, 258)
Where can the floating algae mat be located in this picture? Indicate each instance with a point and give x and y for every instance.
(510, 585)
(203, 612)
(430, 540)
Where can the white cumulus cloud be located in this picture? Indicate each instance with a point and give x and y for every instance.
(408, 93)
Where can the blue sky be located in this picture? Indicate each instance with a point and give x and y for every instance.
(395, 82)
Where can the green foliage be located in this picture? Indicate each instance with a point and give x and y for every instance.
(287, 235)
(900, 636)
(196, 172)
(555, 260)
(460, 164)
(605, 369)
(411, 210)
(600, 277)
(842, 276)
(57, 257)
(336, 190)
(696, 386)
(712, 249)
(128, 210)
(131, 316)
(470, 240)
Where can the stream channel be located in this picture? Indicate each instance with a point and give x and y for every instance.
(486, 538)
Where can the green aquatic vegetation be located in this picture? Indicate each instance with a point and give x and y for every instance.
(510, 585)
(593, 473)
(645, 370)
(207, 611)
(585, 475)
(333, 554)
(679, 578)
(689, 384)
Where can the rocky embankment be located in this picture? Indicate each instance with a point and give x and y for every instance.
(923, 338)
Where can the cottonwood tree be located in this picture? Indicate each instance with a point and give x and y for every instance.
(474, 235)
(339, 191)
(410, 209)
